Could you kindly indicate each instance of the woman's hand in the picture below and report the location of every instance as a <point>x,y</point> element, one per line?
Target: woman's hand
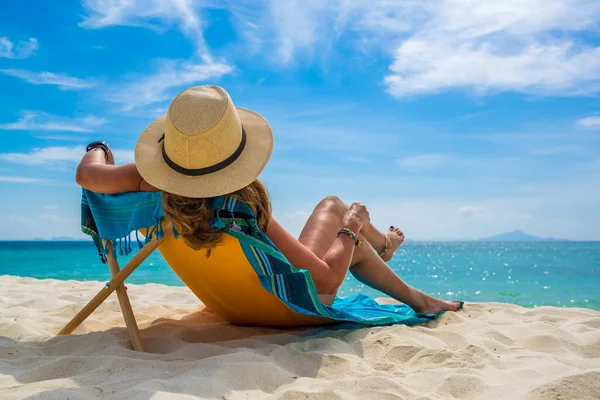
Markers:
<point>356,217</point>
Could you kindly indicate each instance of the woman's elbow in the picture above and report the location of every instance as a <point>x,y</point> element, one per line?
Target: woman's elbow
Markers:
<point>82,176</point>
<point>79,175</point>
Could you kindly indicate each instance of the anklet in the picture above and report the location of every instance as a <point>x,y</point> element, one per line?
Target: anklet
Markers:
<point>384,246</point>
<point>346,231</point>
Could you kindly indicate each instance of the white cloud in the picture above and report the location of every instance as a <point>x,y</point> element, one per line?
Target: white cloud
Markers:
<point>519,216</point>
<point>20,179</point>
<point>64,82</point>
<point>472,211</point>
<point>67,225</point>
<point>286,28</point>
<point>293,221</point>
<point>497,45</point>
<point>576,150</point>
<point>155,87</point>
<point>146,89</point>
<point>296,25</point>
<point>424,162</point>
<point>154,14</point>
<point>424,66</point>
<point>341,141</point>
<point>547,212</point>
<point>23,50</point>
<point>41,121</point>
<point>514,45</point>
<point>53,218</point>
<point>46,155</point>
<point>64,138</point>
<point>589,122</point>
<point>123,156</point>
<point>59,155</point>
<point>530,46</point>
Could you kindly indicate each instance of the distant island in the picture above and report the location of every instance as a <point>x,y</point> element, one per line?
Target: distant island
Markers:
<point>519,236</point>
<point>58,239</point>
<point>66,238</point>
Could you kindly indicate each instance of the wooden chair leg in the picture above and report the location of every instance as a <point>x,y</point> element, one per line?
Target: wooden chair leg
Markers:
<point>128,316</point>
<point>103,294</point>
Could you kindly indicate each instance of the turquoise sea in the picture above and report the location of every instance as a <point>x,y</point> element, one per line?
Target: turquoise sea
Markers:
<point>564,274</point>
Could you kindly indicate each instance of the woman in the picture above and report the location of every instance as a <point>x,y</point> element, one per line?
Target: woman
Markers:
<point>205,147</point>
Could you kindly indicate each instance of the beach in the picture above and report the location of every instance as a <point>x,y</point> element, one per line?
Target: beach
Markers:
<point>486,351</point>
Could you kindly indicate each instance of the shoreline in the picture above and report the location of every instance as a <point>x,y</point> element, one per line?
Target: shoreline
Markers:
<point>489,350</point>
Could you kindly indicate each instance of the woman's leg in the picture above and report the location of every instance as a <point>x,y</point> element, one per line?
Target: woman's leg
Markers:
<point>320,232</point>
<point>321,229</point>
<point>371,270</point>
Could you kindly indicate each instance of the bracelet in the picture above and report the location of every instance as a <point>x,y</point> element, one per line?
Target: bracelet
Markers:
<point>346,231</point>
<point>384,250</point>
<point>98,145</point>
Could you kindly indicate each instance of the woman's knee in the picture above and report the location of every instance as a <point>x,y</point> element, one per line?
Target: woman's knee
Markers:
<point>328,285</point>
<point>332,204</point>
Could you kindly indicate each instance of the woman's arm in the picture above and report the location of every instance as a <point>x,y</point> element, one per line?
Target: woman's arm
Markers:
<point>328,273</point>
<point>98,175</point>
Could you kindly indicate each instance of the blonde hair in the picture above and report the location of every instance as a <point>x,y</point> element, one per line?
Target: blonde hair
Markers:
<point>191,216</point>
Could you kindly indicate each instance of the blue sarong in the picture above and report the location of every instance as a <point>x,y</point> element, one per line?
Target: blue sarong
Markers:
<point>115,217</point>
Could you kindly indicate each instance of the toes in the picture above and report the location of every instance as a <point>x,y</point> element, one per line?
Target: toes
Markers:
<point>395,230</point>
<point>459,304</point>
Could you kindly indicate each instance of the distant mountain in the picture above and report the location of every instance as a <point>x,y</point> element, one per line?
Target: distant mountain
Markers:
<point>64,238</point>
<point>519,236</point>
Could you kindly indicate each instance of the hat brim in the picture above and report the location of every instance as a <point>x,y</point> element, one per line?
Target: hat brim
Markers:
<point>239,174</point>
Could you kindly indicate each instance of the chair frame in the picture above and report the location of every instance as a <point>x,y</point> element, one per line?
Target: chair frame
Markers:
<point>117,284</point>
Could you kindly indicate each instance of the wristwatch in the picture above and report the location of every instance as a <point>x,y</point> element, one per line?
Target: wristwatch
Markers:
<point>98,145</point>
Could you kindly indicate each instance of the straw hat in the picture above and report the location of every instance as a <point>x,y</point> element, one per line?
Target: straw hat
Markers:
<point>204,146</point>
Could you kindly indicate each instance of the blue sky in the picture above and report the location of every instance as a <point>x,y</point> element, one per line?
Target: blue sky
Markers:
<point>451,118</point>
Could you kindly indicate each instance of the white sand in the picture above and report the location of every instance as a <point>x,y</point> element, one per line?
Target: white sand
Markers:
<point>487,351</point>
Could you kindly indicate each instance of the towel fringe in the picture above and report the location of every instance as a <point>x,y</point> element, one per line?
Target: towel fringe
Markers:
<point>149,231</point>
<point>139,242</point>
<point>160,233</point>
<point>103,250</point>
<point>121,247</point>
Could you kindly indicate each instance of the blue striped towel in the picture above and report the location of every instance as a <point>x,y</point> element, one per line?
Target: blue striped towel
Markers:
<point>115,217</point>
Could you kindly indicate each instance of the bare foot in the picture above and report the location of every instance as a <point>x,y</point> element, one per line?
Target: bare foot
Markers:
<point>436,306</point>
<point>394,238</point>
<point>426,304</point>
